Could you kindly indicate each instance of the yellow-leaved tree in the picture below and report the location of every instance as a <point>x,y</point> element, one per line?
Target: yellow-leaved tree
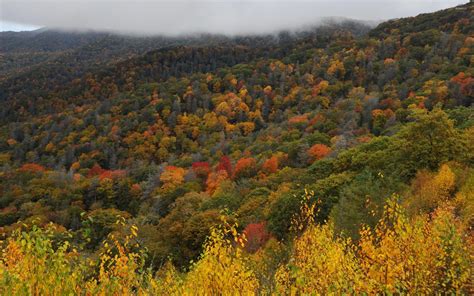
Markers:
<point>431,190</point>
<point>222,268</point>
<point>320,262</point>
<point>29,265</point>
<point>423,255</point>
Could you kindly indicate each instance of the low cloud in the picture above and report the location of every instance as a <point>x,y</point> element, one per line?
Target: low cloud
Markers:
<point>197,16</point>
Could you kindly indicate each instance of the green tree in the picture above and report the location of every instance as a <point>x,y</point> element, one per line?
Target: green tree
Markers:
<point>426,143</point>
<point>361,202</point>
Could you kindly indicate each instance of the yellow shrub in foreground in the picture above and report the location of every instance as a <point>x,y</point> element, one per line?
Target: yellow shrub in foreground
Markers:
<point>30,266</point>
<point>320,264</point>
<point>222,268</point>
<point>424,255</point>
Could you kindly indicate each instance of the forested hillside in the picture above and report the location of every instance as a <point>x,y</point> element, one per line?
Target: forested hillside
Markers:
<point>339,159</point>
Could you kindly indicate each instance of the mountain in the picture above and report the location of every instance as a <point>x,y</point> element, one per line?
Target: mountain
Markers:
<point>330,149</point>
<point>37,71</point>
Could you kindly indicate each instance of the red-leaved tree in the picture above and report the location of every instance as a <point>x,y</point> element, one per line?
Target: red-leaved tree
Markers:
<point>257,236</point>
<point>245,167</point>
<point>225,165</point>
<point>319,151</point>
<point>201,169</point>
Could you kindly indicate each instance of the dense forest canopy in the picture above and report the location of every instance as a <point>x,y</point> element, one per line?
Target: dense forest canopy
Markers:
<point>334,160</point>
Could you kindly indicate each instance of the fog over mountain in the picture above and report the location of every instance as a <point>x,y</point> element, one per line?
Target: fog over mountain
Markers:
<point>191,16</point>
<point>260,147</point>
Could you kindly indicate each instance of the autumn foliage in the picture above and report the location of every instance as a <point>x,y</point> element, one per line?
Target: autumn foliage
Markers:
<point>401,255</point>
<point>336,161</point>
<point>172,177</point>
<point>423,254</point>
<point>201,169</point>
<point>98,171</point>
<point>319,151</point>
<point>224,165</point>
<point>256,235</point>
<point>32,167</point>
<point>270,165</point>
<point>245,167</point>
<point>214,179</point>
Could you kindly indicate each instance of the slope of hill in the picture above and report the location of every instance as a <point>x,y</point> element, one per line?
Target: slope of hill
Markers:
<point>334,149</point>
<point>114,54</point>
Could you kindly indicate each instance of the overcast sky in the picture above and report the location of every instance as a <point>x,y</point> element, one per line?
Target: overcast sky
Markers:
<point>189,16</point>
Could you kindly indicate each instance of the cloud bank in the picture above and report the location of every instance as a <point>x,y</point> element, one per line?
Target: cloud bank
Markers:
<point>168,17</point>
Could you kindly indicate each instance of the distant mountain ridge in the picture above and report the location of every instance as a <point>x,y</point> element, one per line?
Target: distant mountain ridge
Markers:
<point>304,138</point>
<point>26,55</point>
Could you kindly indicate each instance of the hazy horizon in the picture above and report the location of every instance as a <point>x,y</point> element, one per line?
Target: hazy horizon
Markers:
<point>196,16</point>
